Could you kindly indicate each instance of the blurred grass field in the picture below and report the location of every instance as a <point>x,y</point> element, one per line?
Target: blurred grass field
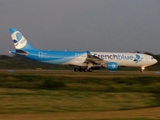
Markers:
<point>46,92</point>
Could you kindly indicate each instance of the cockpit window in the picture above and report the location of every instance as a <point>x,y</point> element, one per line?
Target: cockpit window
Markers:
<point>152,58</point>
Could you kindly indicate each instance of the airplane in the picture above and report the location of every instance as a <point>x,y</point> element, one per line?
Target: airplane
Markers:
<point>83,61</point>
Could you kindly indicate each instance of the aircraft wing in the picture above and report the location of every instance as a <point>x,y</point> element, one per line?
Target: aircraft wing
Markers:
<point>94,59</point>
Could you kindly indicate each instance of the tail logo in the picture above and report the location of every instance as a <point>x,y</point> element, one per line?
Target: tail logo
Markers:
<point>18,40</point>
<point>15,42</point>
<point>19,36</point>
<point>138,58</point>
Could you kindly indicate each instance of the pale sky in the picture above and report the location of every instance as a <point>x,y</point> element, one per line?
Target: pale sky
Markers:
<point>81,25</point>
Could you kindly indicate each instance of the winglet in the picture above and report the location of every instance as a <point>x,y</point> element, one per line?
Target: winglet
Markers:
<point>88,53</point>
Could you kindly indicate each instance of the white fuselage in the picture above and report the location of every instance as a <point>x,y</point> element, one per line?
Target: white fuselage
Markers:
<point>122,59</point>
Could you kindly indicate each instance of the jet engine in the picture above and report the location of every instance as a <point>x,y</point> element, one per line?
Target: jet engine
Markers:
<point>112,66</point>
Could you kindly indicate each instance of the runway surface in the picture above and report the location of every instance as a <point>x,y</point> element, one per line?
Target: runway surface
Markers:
<point>146,113</point>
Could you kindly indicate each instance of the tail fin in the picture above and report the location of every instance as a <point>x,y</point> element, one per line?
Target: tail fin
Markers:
<point>19,41</point>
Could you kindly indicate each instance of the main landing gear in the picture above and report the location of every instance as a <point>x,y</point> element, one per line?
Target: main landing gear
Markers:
<point>83,70</point>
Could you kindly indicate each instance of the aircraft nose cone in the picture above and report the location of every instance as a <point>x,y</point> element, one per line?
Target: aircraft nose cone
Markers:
<point>156,61</point>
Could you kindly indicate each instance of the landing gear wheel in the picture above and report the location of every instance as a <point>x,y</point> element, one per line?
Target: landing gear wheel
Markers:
<point>141,70</point>
<point>86,70</point>
<point>90,70</point>
<point>80,70</point>
<point>83,70</point>
<point>76,70</point>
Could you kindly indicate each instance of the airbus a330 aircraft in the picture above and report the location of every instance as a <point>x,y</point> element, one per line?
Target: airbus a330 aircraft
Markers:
<point>82,60</point>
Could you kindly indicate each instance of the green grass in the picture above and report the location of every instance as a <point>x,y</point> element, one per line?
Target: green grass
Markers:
<point>52,91</point>
<point>79,82</point>
<point>44,101</point>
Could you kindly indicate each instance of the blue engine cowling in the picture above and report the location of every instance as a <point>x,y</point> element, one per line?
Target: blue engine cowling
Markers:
<point>112,66</point>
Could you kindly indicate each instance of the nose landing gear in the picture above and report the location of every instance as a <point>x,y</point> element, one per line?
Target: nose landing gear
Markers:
<point>142,69</point>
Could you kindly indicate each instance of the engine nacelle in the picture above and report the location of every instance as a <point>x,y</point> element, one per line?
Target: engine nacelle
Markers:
<point>112,66</point>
